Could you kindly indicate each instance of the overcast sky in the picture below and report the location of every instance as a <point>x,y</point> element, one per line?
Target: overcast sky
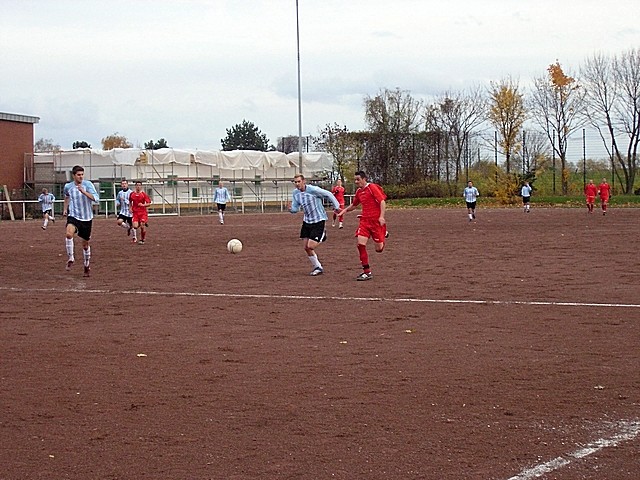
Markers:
<point>188,70</point>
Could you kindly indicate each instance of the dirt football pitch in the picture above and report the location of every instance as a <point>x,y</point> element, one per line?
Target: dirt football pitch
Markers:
<point>503,349</point>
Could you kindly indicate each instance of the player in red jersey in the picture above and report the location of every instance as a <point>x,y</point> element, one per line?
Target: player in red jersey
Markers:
<point>372,222</point>
<point>590,192</point>
<point>604,190</point>
<point>139,201</point>
<point>338,192</point>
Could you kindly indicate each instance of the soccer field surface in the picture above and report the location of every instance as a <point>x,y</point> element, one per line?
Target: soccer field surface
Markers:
<point>505,348</point>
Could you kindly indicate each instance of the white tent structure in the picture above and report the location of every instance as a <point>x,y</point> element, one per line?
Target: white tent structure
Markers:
<point>177,179</point>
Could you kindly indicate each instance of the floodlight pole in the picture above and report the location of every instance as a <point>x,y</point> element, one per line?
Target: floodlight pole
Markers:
<point>299,97</point>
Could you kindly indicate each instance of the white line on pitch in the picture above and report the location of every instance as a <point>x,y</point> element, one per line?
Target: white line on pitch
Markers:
<point>627,431</point>
<point>320,297</point>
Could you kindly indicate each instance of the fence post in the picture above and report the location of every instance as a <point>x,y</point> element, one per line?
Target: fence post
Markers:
<point>6,194</point>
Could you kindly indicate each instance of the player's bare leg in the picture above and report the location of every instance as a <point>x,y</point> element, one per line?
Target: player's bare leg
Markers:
<point>136,225</point>
<point>310,249</point>
<point>69,234</point>
<point>86,257</point>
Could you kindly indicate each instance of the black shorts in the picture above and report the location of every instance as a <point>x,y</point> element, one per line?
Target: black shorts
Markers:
<point>471,205</point>
<point>127,220</point>
<point>313,231</point>
<point>46,212</point>
<point>82,227</point>
<point>525,200</point>
<point>221,206</point>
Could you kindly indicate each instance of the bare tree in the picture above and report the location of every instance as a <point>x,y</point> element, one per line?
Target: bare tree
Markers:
<point>557,102</point>
<point>536,151</point>
<point>507,113</point>
<point>612,87</point>
<point>613,107</point>
<point>346,150</point>
<point>455,116</point>
<point>627,76</point>
<point>392,117</point>
<point>46,145</point>
<point>601,98</point>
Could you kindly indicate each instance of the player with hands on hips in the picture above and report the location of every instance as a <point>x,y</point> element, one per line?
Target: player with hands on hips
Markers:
<point>604,190</point>
<point>590,192</point>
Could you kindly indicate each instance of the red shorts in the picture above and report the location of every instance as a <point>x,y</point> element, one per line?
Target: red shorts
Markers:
<point>371,228</point>
<point>140,217</point>
<point>591,199</point>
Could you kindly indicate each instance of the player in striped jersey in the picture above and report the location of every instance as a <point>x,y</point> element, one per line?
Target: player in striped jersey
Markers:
<point>79,197</point>
<point>309,198</point>
<point>125,216</point>
<point>46,200</point>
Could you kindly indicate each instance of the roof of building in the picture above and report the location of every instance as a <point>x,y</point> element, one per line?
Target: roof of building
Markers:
<point>13,117</point>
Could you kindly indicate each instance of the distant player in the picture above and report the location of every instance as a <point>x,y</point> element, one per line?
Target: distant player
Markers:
<point>471,195</point>
<point>221,197</point>
<point>125,217</point>
<point>526,196</point>
<point>79,197</point>
<point>604,190</point>
<point>309,198</point>
<point>372,221</point>
<point>338,192</point>
<point>590,192</point>
<point>46,200</point>
<point>139,201</point>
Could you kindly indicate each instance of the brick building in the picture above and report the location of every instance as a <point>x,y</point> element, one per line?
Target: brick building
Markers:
<point>16,140</point>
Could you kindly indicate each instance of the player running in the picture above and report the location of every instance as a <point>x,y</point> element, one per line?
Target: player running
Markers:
<point>46,200</point>
<point>372,222</point>
<point>79,197</point>
<point>309,198</point>
<point>139,201</point>
<point>125,217</point>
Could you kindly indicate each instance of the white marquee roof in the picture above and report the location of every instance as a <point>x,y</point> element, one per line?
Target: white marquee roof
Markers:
<point>231,160</point>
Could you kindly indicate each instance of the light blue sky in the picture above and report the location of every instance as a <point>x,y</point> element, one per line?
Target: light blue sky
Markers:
<point>188,70</point>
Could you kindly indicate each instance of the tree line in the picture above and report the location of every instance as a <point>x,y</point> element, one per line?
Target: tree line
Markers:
<point>408,140</point>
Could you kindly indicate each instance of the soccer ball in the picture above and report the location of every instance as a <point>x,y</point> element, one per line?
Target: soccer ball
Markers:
<point>234,245</point>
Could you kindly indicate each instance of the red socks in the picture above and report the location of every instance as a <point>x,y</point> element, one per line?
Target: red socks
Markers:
<point>364,258</point>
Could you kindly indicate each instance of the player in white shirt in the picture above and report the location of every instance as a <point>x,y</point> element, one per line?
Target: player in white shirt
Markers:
<point>220,197</point>
<point>46,200</point>
<point>526,196</point>
<point>471,195</point>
